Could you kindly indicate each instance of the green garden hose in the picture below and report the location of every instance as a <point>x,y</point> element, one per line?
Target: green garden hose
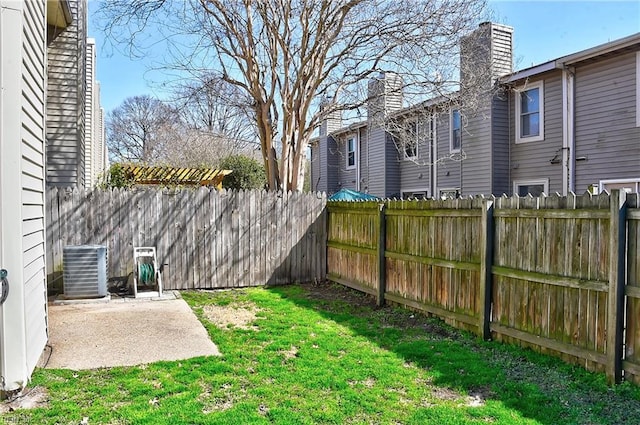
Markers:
<point>146,274</point>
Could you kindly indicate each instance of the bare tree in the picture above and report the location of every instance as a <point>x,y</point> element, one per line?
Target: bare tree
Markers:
<point>140,129</point>
<point>199,148</point>
<point>216,112</point>
<point>288,55</point>
<point>478,68</point>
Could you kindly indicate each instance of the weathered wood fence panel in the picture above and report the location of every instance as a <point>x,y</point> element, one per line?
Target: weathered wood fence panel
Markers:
<point>206,238</point>
<point>433,258</point>
<point>353,234</point>
<point>550,277</point>
<point>558,274</point>
<point>631,363</point>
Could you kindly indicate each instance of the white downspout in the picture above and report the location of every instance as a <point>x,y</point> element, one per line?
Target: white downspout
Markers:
<point>358,161</point>
<point>434,159</point>
<point>572,135</point>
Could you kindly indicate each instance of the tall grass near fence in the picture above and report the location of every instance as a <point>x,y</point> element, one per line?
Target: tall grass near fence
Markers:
<point>557,274</point>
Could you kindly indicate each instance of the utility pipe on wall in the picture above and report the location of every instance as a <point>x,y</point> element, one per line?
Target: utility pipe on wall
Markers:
<point>568,131</point>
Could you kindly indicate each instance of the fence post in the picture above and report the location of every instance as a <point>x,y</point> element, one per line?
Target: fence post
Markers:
<point>617,273</point>
<point>486,262</point>
<point>382,244</point>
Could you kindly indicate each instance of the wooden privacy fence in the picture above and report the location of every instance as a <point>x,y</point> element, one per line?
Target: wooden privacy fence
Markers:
<point>558,274</point>
<point>206,238</point>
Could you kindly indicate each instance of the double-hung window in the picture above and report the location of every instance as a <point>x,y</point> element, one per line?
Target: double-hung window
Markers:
<point>455,140</point>
<point>351,152</point>
<point>530,113</point>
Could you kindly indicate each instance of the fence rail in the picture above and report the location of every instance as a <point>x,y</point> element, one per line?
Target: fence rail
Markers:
<point>557,274</point>
<point>207,238</point>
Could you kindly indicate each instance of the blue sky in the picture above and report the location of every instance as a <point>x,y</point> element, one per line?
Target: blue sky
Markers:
<point>543,30</point>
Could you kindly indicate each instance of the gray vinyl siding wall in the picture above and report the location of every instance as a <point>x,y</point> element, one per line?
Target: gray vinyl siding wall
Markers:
<point>324,165</point>
<point>346,177</point>
<point>377,161</point>
<point>317,178</point>
<point>531,160</point>
<point>415,173</point>
<point>500,144</point>
<point>66,102</point>
<point>384,94</point>
<point>448,170</point>
<point>32,179</point>
<point>605,123</point>
<point>333,158</point>
<point>365,174</point>
<point>392,169</point>
<point>476,144</point>
<point>502,63</point>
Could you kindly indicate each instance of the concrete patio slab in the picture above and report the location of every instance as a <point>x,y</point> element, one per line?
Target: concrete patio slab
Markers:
<point>124,332</point>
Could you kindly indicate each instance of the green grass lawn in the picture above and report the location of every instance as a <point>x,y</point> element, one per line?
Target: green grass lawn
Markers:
<point>324,354</point>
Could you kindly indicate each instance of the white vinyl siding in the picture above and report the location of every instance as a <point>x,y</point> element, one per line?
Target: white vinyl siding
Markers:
<point>32,180</point>
<point>23,316</point>
<point>530,113</point>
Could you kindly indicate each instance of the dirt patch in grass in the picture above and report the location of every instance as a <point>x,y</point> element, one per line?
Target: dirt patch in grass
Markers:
<point>290,353</point>
<point>557,383</point>
<point>230,316</point>
<point>29,398</point>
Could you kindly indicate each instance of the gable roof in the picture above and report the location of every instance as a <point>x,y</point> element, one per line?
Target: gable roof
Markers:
<point>625,44</point>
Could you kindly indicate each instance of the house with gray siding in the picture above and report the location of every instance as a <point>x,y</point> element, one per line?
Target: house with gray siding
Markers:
<point>95,157</point>
<point>584,119</point>
<point>66,98</point>
<point>446,151</point>
<point>567,125</point>
<point>25,29</point>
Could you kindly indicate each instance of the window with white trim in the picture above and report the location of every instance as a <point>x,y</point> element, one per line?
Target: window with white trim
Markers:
<point>625,185</point>
<point>530,113</point>
<point>455,138</point>
<point>351,152</point>
<point>531,187</point>
<point>450,193</point>
<point>415,194</point>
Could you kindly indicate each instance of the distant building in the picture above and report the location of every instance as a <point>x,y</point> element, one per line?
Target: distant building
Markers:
<point>95,148</point>
<point>66,99</point>
<point>568,125</point>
